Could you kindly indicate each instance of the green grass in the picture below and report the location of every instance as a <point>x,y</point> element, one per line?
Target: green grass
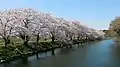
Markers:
<point>16,46</point>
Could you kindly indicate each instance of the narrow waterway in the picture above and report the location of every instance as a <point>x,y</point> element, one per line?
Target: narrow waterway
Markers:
<point>98,54</point>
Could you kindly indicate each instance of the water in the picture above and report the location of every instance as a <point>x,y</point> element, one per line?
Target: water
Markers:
<point>98,54</point>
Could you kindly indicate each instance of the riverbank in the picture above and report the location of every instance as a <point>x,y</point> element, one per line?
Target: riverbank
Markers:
<point>92,54</point>
<point>27,54</point>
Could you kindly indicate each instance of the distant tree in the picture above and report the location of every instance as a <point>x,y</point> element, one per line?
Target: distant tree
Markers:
<point>115,25</point>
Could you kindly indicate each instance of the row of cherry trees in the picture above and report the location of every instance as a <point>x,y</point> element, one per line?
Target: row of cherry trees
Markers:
<point>27,23</point>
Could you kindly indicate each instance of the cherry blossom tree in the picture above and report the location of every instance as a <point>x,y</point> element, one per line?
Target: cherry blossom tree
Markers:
<point>23,24</point>
<point>5,27</point>
<point>27,23</point>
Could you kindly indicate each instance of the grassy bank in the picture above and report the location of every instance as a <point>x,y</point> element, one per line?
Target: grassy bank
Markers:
<point>16,50</point>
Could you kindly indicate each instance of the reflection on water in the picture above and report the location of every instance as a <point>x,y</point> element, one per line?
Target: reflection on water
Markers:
<point>98,54</point>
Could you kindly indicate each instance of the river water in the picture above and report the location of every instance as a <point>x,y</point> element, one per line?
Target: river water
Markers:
<point>98,54</point>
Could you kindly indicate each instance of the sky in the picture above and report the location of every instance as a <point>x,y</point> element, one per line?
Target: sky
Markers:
<point>93,13</point>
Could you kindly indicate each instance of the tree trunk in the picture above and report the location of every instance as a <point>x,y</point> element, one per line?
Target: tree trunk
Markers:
<point>37,55</point>
<point>24,58</point>
<point>71,38</point>
<point>6,41</point>
<point>53,38</point>
<point>37,41</point>
<point>53,51</point>
<point>78,38</point>
<point>25,43</point>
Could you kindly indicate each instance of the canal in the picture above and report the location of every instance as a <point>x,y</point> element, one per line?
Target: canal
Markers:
<point>98,54</point>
